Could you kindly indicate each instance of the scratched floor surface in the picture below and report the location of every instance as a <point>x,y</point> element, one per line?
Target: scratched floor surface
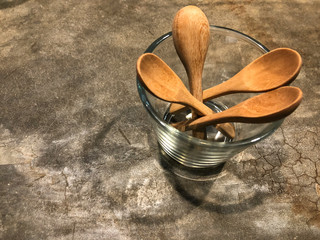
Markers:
<point>78,159</point>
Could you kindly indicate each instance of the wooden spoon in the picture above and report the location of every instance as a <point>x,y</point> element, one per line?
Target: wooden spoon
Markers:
<point>191,33</point>
<point>272,70</point>
<point>266,107</point>
<point>162,81</point>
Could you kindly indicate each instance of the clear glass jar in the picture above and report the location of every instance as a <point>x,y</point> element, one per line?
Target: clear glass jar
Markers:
<point>229,51</point>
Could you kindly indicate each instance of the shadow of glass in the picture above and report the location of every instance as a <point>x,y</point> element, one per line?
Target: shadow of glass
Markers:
<point>9,4</point>
<point>209,188</point>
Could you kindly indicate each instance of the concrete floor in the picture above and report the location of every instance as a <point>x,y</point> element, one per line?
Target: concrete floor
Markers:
<point>77,156</point>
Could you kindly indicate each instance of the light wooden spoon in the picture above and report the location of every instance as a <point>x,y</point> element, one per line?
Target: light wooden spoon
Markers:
<point>274,69</point>
<point>263,108</point>
<point>160,80</point>
<point>190,34</point>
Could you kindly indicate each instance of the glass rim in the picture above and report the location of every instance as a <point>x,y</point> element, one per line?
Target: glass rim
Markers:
<point>151,111</point>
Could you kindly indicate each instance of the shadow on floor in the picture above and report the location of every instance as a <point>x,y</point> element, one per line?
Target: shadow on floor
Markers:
<point>9,4</point>
<point>194,185</point>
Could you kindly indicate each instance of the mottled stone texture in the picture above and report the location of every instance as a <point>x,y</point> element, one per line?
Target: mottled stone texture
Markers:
<point>78,159</point>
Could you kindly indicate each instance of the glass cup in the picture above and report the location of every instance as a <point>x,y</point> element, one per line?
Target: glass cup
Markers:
<point>229,51</point>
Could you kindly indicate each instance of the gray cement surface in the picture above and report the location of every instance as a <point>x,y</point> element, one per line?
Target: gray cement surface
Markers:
<point>78,159</point>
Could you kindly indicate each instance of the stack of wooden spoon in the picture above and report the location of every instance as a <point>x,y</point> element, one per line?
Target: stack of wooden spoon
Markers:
<point>269,73</point>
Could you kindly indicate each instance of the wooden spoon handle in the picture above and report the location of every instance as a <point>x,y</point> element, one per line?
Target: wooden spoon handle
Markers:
<point>210,93</point>
<point>227,129</point>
